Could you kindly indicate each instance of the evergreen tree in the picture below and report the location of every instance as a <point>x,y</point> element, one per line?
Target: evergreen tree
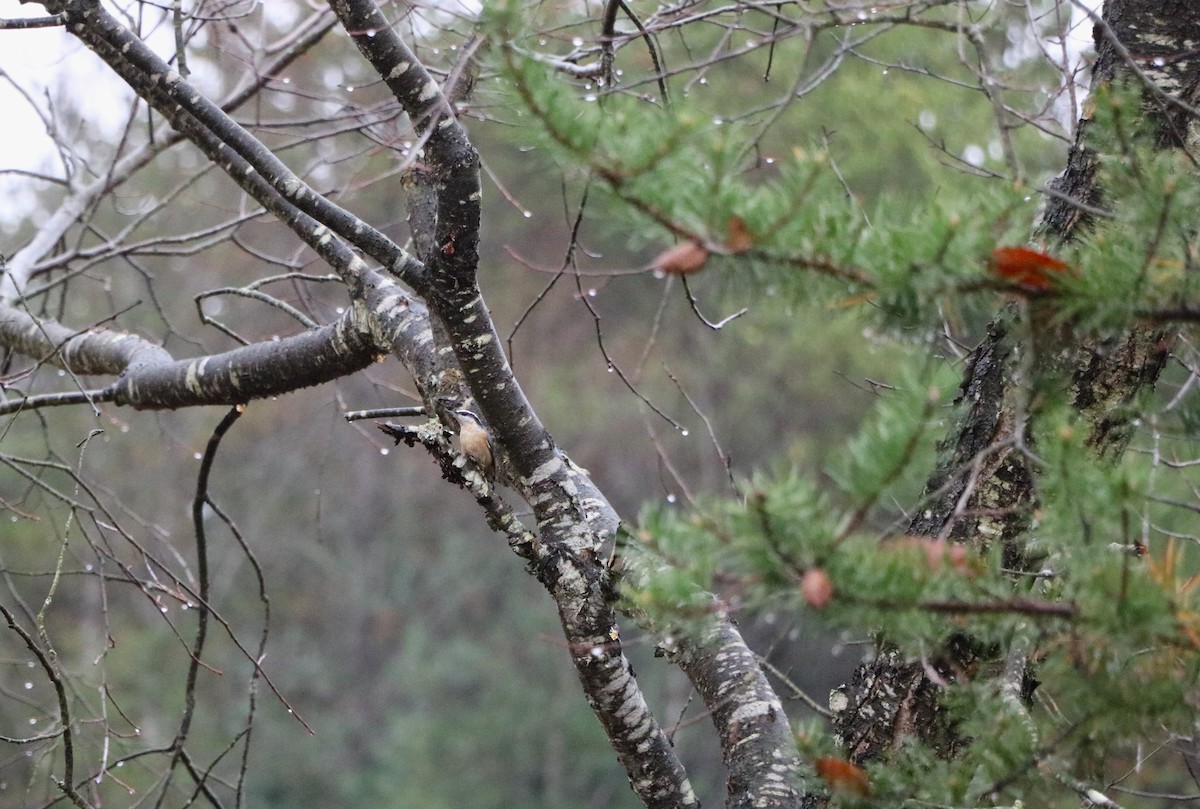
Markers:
<point>1009,527</point>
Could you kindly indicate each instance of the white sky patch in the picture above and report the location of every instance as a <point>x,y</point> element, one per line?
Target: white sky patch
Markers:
<point>1059,31</point>
<point>67,89</point>
<point>65,84</point>
<point>1079,38</point>
<point>1080,47</point>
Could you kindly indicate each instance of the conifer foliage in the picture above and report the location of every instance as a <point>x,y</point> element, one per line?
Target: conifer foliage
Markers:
<point>1008,536</point>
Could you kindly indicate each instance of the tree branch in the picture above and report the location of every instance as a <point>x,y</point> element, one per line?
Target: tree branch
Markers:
<point>168,92</point>
<point>573,517</point>
<point>151,379</point>
<point>49,235</point>
<point>756,738</point>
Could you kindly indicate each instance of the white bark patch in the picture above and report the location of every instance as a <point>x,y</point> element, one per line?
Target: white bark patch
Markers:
<point>568,577</point>
<point>643,729</point>
<point>399,70</point>
<point>547,470</point>
<point>476,196</point>
<point>430,90</point>
<point>445,122</point>
<point>629,708</point>
<point>751,710</point>
<point>172,77</point>
<point>689,794</point>
<point>748,739</point>
<point>618,683</point>
<point>194,372</point>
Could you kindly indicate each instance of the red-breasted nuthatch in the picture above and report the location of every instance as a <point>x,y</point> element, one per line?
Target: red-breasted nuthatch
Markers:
<point>476,442</point>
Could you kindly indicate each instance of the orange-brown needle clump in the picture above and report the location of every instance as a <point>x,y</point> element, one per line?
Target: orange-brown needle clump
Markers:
<point>740,239</point>
<point>842,776</point>
<point>682,259</point>
<point>816,588</point>
<point>1026,267</point>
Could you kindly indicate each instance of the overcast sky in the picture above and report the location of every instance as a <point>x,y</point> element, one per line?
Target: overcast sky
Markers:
<point>46,62</point>
<point>43,62</point>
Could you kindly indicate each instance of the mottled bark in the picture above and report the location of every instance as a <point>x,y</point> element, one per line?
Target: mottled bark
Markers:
<point>981,486</point>
<point>251,372</point>
<point>756,740</point>
<point>150,379</point>
<point>1149,44</point>
<point>888,699</point>
<point>87,353</point>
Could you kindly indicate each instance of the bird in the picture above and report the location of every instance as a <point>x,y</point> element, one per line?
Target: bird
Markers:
<point>476,442</point>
